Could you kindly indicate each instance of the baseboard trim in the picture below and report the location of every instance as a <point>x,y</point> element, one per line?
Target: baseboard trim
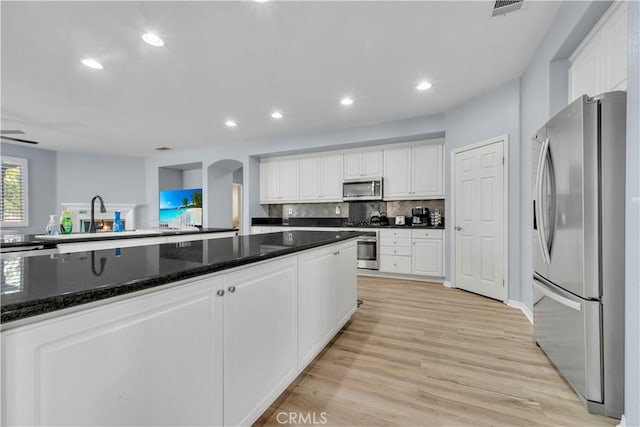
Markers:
<point>523,308</point>
<point>375,273</point>
<point>623,422</point>
<point>448,284</point>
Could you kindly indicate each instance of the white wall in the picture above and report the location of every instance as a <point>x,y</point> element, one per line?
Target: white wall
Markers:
<point>42,186</point>
<point>491,114</point>
<point>632,276</point>
<point>118,179</point>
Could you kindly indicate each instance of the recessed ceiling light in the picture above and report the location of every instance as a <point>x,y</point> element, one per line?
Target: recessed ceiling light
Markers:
<point>423,85</point>
<point>153,39</point>
<point>163,148</point>
<point>92,63</point>
<point>276,115</point>
<point>230,123</point>
<point>261,1</point>
<point>346,101</point>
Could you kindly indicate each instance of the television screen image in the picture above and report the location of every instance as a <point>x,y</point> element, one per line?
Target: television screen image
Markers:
<point>181,207</point>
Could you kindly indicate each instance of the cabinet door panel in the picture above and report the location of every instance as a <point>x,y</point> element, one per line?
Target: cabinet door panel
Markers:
<point>427,170</point>
<point>346,283</point>
<point>331,178</point>
<point>427,257</point>
<point>317,301</point>
<point>269,181</point>
<point>310,178</point>
<point>120,364</point>
<point>260,338</point>
<point>397,172</point>
<point>352,165</point>
<point>288,180</point>
<point>371,164</point>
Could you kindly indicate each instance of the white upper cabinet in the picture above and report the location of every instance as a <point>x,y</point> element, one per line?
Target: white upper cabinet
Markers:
<point>599,64</point>
<point>321,178</point>
<point>279,181</point>
<point>363,164</point>
<point>413,171</point>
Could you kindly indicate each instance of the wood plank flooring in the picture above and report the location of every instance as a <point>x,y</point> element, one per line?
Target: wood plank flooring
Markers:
<point>421,354</point>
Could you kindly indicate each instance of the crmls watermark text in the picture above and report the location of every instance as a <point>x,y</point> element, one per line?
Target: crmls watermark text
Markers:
<point>301,418</point>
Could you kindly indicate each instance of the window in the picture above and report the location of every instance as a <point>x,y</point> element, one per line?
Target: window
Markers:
<point>14,200</point>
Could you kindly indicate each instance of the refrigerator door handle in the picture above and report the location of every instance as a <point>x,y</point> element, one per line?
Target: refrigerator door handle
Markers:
<point>549,292</point>
<point>542,161</point>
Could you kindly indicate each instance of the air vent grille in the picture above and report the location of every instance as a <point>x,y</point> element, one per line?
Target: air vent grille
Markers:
<point>502,7</point>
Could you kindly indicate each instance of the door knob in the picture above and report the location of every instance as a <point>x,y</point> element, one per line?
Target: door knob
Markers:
<point>457,227</point>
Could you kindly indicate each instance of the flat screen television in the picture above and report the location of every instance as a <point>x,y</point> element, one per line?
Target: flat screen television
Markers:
<point>181,207</point>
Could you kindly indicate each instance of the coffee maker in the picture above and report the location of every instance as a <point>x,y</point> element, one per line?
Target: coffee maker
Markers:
<point>420,216</point>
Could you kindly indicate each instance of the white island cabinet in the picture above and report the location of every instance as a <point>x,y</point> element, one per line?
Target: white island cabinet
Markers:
<point>215,350</point>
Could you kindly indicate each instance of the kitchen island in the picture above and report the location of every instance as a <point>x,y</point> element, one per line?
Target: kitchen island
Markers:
<point>200,332</point>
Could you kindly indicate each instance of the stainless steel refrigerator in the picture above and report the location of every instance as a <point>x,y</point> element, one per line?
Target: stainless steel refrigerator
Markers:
<point>578,247</point>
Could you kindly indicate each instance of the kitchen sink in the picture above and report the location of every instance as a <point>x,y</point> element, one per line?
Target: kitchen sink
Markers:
<point>101,235</point>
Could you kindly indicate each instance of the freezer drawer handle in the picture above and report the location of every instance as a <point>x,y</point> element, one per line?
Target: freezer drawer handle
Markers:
<point>557,297</point>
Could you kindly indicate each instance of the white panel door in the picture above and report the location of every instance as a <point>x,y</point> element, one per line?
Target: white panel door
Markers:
<point>260,338</point>
<point>397,172</point>
<point>310,176</point>
<point>288,180</point>
<point>331,177</point>
<point>426,169</point>
<point>120,364</point>
<point>478,228</point>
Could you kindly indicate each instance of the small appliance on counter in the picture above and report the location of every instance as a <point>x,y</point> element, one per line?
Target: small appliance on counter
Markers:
<point>436,217</point>
<point>420,216</point>
<point>400,220</point>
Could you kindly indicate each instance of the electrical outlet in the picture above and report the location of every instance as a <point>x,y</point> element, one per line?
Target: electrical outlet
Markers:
<point>338,210</point>
<point>290,211</point>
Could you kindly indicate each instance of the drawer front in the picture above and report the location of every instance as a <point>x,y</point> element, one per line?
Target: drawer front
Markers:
<point>427,234</point>
<point>393,232</point>
<point>395,250</point>
<point>395,264</point>
<point>395,241</point>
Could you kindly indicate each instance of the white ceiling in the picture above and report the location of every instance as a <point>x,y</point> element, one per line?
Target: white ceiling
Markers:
<point>242,60</point>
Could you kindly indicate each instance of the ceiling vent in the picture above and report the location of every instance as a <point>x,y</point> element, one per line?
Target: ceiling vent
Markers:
<point>503,7</point>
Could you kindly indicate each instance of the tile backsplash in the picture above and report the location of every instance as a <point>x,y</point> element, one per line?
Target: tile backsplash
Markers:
<point>355,211</point>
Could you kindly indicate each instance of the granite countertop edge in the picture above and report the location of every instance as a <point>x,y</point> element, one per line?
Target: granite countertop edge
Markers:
<point>19,311</point>
<point>51,243</point>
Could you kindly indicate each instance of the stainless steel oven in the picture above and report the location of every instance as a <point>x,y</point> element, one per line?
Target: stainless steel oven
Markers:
<point>368,250</point>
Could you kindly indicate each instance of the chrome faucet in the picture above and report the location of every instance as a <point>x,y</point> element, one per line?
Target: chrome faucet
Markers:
<point>93,227</point>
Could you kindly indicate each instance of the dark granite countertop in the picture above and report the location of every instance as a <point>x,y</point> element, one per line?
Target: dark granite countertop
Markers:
<point>329,222</point>
<point>33,285</point>
<point>20,240</point>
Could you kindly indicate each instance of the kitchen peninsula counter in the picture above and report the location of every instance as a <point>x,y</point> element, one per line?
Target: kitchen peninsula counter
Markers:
<point>47,283</point>
<point>23,241</point>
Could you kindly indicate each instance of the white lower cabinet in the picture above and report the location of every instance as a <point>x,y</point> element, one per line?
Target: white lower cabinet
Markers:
<point>327,296</point>
<point>412,251</point>
<point>260,338</point>
<point>155,359</point>
<point>216,351</point>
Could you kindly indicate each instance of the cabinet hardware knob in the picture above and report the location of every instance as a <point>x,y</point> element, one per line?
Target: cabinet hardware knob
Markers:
<point>232,289</point>
<point>457,227</point>
<point>337,253</point>
<point>220,292</point>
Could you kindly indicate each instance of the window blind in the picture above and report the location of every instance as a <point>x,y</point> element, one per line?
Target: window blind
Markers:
<point>14,200</point>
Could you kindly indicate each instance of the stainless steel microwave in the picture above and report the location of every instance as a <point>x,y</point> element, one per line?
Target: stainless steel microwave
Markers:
<point>362,189</point>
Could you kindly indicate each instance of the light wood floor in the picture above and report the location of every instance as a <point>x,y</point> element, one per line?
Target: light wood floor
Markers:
<point>420,354</point>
